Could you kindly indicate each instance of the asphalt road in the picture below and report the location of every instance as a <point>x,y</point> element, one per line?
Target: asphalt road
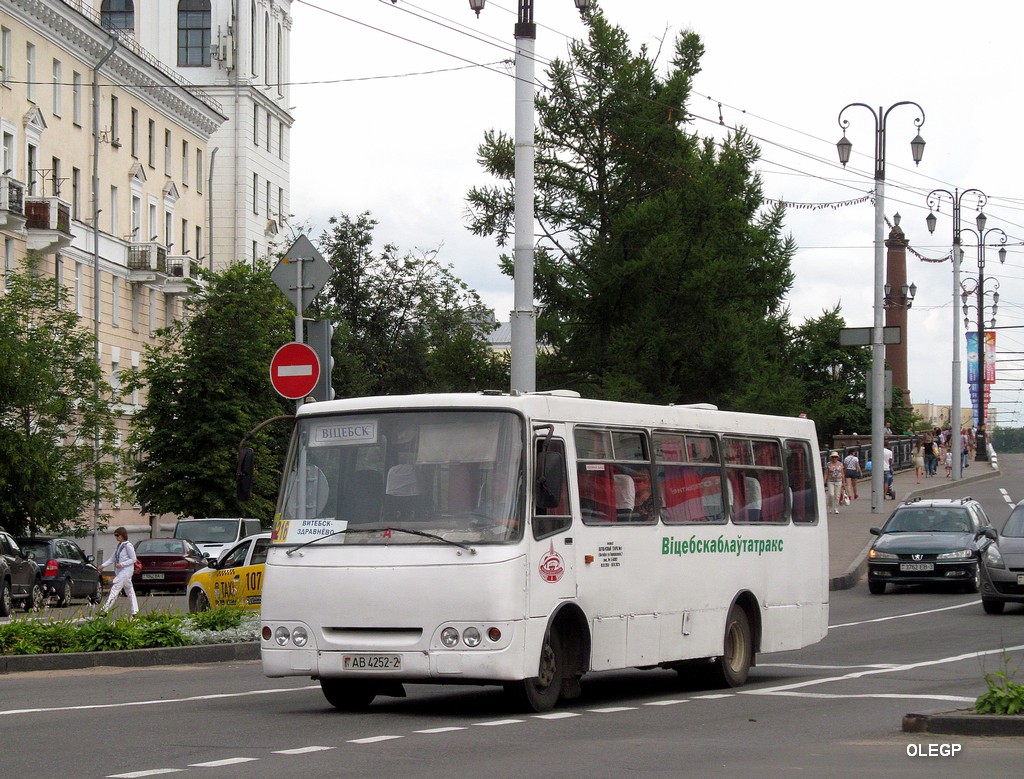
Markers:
<point>833,709</point>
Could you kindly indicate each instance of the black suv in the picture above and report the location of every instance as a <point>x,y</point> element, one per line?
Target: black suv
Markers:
<point>67,571</point>
<point>929,541</point>
<point>20,579</point>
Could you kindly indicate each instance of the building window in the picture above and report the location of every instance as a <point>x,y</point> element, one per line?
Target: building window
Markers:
<point>280,141</point>
<point>76,193</point>
<point>193,33</point>
<point>5,55</point>
<point>280,205</point>
<point>30,72</point>
<point>266,48</point>
<point>117,15</point>
<point>280,61</point>
<point>55,177</point>
<point>76,98</point>
<point>255,193</point>
<point>252,39</point>
<point>115,136</point>
<point>184,237</point>
<point>269,127</point>
<point>56,87</point>
<point>152,311</point>
<point>184,163</point>
<point>115,301</point>
<point>198,251</point>
<point>151,156</point>
<point>135,133</point>
<point>79,281</point>
<point>199,171</point>
<point>269,190</point>
<point>167,152</point>
<point>113,210</point>
<point>256,126</point>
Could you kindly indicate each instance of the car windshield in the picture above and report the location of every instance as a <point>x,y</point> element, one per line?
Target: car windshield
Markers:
<point>160,546</point>
<point>208,531</point>
<point>1014,527</point>
<point>439,476</point>
<point>929,520</point>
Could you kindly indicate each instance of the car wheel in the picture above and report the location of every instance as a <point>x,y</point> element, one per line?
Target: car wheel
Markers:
<point>975,583</point>
<point>353,695</point>
<point>35,599</point>
<point>876,588</point>
<point>992,606</point>
<point>65,595</point>
<point>6,602</point>
<point>541,692</point>
<point>732,668</point>
<point>198,601</point>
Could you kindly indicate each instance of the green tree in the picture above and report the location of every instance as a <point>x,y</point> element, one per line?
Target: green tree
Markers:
<point>660,270</point>
<point>54,407</point>
<point>403,323</point>
<point>832,377</point>
<point>208,385</point>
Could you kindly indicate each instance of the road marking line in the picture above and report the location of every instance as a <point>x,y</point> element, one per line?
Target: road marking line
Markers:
<point>903,616</point>
<point>150,772</point>
<point>824,667</point>
<point>225,761</point>
<point>301,750</point>
<point>439,730</point>
<point>664,703</point>
<point>898,696</point>
<point>373,739</point>
<point>497,722</point>
<point>612,709</point>
<point>714,696</point>
<point>557,715</point>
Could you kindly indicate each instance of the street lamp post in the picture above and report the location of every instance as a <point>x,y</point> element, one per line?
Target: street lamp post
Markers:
<point>934,201</point>
<point>844,147</point>
<point>981,443</point>
<point>524,315</point>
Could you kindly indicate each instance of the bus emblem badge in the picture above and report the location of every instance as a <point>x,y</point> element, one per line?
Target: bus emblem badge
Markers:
<point>552,567</point>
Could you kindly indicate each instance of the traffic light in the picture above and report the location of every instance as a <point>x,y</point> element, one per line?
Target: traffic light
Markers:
<point>319,333</point>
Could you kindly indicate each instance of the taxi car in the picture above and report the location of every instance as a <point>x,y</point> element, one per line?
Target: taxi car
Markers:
<point>929,541</point>
<point>236,579</point>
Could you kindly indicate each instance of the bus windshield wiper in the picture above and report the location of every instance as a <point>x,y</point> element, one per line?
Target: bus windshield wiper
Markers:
<point>387,534</point>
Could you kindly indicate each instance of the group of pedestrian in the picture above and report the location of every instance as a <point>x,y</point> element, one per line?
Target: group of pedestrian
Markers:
<point>935,448</point>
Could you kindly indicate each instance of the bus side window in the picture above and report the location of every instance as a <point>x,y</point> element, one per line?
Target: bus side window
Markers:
<point>548,520</point>
<point>801,482</point>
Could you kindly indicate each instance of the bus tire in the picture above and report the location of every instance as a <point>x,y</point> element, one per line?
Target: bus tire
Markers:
<point>541,692</point>
<point>732,668</point>
<point>351,695</point>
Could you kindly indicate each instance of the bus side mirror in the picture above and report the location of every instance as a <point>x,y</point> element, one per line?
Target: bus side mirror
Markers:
<point>243,474</point>
<point>550,480</point>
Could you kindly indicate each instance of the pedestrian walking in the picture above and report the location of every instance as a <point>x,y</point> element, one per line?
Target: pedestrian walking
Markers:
<point>123,559</point>
<point>919,460</point>
<point>852,472</point>
<point>833,481</point>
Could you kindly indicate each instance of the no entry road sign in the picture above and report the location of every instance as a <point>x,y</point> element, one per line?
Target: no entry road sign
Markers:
<point>294,371</point>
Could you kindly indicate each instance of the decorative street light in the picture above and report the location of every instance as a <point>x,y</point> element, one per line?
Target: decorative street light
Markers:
<point>934,201</point>
<point>524,315</point>
<point>844,146</point>
<point>981,446</point>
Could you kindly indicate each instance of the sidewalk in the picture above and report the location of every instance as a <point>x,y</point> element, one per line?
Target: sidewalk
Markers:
<point>849,535</point>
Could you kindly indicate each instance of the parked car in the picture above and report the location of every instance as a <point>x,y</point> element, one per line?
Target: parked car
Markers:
<point>1002,564</point>
<point>927,541</point>
<point>167,564</point>
<point>216,535</point>
<point>67,571</point>
<point>20,580</point>
<point>236,579</point>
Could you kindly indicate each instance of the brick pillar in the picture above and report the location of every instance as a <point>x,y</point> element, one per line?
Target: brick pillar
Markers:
<point>896,315</point>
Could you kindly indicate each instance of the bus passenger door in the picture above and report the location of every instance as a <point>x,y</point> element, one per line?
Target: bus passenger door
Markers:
<point>552,572</point>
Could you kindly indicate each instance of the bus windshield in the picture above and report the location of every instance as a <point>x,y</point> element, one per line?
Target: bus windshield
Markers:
<point>425,477</point>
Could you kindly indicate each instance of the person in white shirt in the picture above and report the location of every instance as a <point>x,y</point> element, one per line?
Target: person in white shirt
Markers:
<point>887,471</point>
<point>123,560</point>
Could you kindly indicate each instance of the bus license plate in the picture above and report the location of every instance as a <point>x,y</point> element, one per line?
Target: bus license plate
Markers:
<point>152,576</point>
<point>917,567</point>
<point>372,662</point>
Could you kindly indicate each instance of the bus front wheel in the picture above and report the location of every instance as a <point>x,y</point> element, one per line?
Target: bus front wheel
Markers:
<point>352,695</point>
<point>732,668</point>
<point>541,692</point>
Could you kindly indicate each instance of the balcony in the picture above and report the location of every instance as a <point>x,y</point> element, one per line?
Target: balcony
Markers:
<point>48,222</point>
<point>182,275</point>
<point>147,263</point>
<point>12,203</point>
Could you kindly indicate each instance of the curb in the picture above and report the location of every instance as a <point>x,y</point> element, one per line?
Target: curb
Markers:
<point>964,723</point>
<point>848,580</point>
<point>132,658</point>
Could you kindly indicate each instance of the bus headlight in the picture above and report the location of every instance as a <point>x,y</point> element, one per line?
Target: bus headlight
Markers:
<point>450,637</point>
<point>299,637</point>
<point>471,636</point>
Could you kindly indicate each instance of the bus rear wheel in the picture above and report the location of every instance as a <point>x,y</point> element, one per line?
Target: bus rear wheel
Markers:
<point>541,692</point>
<point>351,695</point>
<point>733,667</point>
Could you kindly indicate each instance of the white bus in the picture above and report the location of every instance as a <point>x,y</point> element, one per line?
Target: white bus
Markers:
<point>528,539</point>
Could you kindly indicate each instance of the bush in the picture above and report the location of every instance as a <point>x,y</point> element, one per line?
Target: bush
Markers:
<point>101,634</point>
<point>1003,696</point>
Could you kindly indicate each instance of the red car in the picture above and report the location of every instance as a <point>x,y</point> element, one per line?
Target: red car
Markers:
<point>167,564</point>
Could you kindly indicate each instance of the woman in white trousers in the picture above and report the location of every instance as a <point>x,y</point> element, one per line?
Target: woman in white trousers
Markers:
<point>123,560</point>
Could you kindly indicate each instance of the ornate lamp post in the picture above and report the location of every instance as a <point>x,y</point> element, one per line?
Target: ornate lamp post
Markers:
<point>524,315</point>
<point>934,201</point>
<point>844,146</point>
<point>981,449</point>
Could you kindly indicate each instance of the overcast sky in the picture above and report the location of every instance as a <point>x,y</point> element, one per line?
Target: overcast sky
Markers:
<point>392,100</point>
